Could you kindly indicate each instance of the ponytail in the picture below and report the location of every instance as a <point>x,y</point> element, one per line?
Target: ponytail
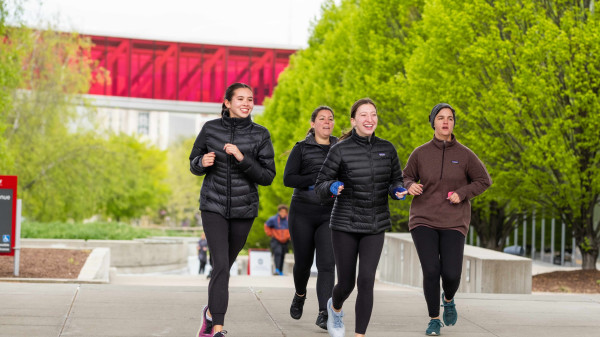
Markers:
<point>224,109</point>
<point>311,131</point>
<point>345,135</point>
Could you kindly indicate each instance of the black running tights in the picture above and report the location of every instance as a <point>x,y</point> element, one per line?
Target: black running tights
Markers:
<point>225,237</point>
<point>309,229</point>
<point>441,254</point>
<point>348,248</point>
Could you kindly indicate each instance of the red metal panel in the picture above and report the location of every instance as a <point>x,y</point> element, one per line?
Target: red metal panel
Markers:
<point>142,57</point>
<point>183,71</point>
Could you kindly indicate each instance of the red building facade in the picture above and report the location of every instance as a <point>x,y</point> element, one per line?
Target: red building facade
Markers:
<point>184,71</point>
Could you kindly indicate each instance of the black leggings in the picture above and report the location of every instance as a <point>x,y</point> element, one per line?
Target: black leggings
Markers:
<point>348,247</point>
<point>441,254</point>
<point>225,237</point>
<point>309,229</point>
<point>279,249</point>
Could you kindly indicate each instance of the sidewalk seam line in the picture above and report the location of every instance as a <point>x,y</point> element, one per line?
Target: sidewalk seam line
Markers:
<point>267,311</point>
<point>479,326</point>
<point>69,312</point>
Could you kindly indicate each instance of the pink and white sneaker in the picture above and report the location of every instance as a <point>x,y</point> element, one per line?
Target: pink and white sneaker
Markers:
<point>207,326</point>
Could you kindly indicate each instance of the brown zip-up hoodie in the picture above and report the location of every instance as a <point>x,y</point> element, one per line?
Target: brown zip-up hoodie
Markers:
<point>444,166</point>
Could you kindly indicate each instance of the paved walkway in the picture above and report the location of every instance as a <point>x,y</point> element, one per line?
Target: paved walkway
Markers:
<point>170,305</point>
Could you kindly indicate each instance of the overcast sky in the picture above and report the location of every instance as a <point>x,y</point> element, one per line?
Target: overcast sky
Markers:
<point>269,23</point>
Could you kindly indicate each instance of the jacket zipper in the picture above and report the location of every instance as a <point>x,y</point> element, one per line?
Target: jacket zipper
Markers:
<point>443,153</point>
<point>370,148</point>
<point>229,172</point>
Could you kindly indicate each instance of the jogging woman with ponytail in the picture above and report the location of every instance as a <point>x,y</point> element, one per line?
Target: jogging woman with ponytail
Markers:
<point>236,155</point>
<point>309,216</point>
<point>360,171</point>
<point>443,175</point>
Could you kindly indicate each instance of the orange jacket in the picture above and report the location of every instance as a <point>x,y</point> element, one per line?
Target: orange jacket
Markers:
<point>277,228</point>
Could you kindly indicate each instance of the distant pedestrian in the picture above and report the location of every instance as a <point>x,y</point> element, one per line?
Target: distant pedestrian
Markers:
<point>235,155</point>
<point>277,228</point>
<point>202,253</point>
<point>309,215</point>
<point>443,175</point>
<point>360,171</point>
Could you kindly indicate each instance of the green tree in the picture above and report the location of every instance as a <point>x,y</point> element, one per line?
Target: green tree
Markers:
<point>523,75</point>
<point>41,144</point>
<point>9,81</point>
<point>311,79</point>
<point>357,49</point>
<point>135,181</point>
<point>67,167</point>
<point>185,187</point>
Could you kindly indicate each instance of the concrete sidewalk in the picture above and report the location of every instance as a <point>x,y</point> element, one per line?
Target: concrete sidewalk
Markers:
<point>170,305</point>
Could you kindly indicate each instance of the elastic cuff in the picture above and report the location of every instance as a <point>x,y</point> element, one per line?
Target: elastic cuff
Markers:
<point>218,319</point>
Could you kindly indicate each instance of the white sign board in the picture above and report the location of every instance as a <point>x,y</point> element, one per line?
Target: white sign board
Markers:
<point>259,263</point>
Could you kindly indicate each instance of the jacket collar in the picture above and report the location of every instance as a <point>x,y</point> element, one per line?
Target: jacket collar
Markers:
<point>236,123</point>
<point>310,139</point>
<point>440,143</point>
<point>363,140</point>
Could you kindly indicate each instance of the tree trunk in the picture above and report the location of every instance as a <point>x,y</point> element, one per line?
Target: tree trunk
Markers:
<point>589,259</point>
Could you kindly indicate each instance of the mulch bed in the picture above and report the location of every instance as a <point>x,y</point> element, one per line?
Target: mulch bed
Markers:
<point>576,281</point>
<point>45,263</point>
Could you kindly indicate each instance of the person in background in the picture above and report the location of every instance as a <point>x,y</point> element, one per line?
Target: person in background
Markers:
<point>235,155</point>
<point>443,175</point>
<point>309,215</point>
<point>360,171</point>
<point>202,253</point>
<point>277,228</point>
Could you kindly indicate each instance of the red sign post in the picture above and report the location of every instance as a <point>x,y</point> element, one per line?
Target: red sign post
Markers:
<point>8,214</point>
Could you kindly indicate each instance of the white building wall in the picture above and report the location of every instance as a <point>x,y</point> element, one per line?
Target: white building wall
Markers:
<point>161,122</point>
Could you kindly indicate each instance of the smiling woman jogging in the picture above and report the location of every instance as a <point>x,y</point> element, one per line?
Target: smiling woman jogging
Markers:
<point>309,216</point>
<point>443,175</point>
<point>236,155</point>
<point>360,171</point>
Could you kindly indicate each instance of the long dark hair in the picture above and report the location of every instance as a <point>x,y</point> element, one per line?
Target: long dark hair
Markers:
<point>355,107</point>
<point>313,117</point>
<point>229,94</point>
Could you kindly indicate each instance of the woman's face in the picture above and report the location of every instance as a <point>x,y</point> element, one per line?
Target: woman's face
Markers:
<point>241,104</point>
<point>444,124</point>
<point>365,120</point>
<point>323,124</point>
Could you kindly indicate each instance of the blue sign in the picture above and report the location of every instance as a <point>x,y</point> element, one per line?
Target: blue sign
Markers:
<point>5,238</point>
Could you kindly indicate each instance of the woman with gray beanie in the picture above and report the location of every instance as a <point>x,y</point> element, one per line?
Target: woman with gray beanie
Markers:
<point>442,175</point>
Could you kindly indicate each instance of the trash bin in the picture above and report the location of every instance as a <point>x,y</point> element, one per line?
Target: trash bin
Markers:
<point>514,250</point>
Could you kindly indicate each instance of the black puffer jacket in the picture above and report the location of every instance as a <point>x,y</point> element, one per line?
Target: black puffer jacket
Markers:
<point>230,187</point>
<point>370,170</point>
<point>302,168</point>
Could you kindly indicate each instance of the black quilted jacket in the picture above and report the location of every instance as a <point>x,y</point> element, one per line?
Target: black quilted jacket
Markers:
<point>302,168</point>
<point>370,171</point>
<point>230,187</point>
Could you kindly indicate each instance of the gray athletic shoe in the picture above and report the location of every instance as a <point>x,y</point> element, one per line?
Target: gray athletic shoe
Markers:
<point>335,321</point>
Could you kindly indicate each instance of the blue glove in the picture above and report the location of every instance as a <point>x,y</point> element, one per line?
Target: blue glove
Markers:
<point>335,186</point>
<point>399,189</point>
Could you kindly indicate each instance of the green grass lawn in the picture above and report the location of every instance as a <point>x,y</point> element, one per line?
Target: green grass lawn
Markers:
<point>94,231</point>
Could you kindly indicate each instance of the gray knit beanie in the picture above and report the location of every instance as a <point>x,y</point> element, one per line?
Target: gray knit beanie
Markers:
<point>437,108</point>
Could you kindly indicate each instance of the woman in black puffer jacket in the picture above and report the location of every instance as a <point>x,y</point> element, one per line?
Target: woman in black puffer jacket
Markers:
<point>236,155</point>
<point>309,216</point>
<point>361,170</point>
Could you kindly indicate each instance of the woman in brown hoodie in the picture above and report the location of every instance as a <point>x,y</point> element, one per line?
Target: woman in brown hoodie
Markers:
<point>443,175</point>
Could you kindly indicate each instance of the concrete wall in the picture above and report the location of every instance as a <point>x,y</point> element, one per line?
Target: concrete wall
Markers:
<point>132,256</point>
<point>484,270</point>
<point>96,267</point>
